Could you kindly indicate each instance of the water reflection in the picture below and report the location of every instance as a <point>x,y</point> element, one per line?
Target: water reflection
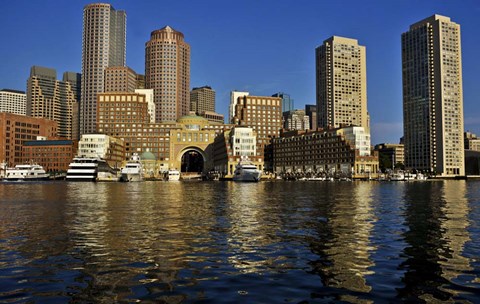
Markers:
<point>437,217</point>
<point>344,245</point>
<point>269,242</point>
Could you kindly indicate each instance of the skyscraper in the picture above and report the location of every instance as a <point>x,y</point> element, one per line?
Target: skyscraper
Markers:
<point>167,72</point>
<point>341,83</point>
<point>287,101</point>
<point>202,99</point>
<point>103,45</point>
<point>120,79</point>
<point>433,96</point>
<point>56,100</point>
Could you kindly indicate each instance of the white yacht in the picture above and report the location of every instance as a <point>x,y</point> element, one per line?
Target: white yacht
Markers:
<point>397,176</point>
<point>26,173</point>
<point>90,169</point>
<point>133,171</point>
<point>173,175</point>
<point>246,171</point>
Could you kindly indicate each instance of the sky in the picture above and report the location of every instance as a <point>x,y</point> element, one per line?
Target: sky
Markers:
<point>259,46</point>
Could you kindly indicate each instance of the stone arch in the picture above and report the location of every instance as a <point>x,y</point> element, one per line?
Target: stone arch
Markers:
<point>192,149</point>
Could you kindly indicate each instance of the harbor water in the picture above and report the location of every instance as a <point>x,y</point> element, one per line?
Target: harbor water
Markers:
<point>226,242</point>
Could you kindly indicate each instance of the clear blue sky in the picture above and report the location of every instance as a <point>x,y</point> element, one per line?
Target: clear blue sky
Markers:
<point>260,46</point>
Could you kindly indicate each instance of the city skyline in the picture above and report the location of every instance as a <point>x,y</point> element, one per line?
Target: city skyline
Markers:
<point>242,49</point>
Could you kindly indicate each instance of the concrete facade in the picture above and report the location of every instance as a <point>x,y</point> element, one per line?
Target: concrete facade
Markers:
<point>103,45</point>
<point>53,99</point>
<point>12,101</point>
<point>120,79</point>
<point>433,97</point>
<point>167,72</point>
<point>202,100</point>
<point>341,84</point>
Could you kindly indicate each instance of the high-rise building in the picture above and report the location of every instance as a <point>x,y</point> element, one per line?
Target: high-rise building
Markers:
<point>13,101</point>
<point>287,101</point>
<point>103,45</point>
<point>53,99</point>
<point>261,113</point>
<point>433,97</point>
<point>120,79</point>
<point>233,102</point>
<point>202,99</point>
<point>311,112</point>
<point>296,120</point>
<point>341,83</point>
<point>167,72</point>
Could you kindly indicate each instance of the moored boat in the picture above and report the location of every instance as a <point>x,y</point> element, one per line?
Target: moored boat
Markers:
<point>173,175</point>
<point>26,172</point>
<point>90,169</point>
<point>246,171</point>
<point>133,171</point>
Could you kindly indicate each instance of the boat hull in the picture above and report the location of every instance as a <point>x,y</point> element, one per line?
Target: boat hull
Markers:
<point>253,176</point>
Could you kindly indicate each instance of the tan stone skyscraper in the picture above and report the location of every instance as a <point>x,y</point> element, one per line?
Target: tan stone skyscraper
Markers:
<point>104,45</point>
<point>167,72</point>
<point>433,96</point>
<point>202,99</point>
<point>53,99</point>
<point>341,76</point>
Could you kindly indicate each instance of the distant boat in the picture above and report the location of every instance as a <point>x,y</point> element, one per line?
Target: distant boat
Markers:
<point>397,176</point>
<point>173,175</point>
<point>90,169</point>
<point>246,171</point>
<point>26,173</point>
<point>133,171</point>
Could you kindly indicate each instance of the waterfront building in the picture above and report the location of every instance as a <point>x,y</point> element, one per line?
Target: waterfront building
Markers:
<point>287,101</point>
<point>433,97</point>
<point>395,153</point>
<point>234,95</point>
<point>149,98</point>
<point>13,101</point>
<point>167,72</point>
<point>296,120</point>
<point>183,145</point>
<point>213,117</point>
<point>341,83</point>
<point>230,146</point>
<point>328,152</point>
<point>120,79</point>
<point>263,114</point>
<point>16,129</point>
<point>103,45</point>
<point>53,99</point>
<point>202,100</point>
<point>126,116</point>
<point>471,141</point>
<point>358,137</point>
<point>103,146</point>
<point>52,155</point>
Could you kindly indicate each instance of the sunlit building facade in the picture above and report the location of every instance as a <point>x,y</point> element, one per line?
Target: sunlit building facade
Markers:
<point>167,72</point>
<point>103,45</point>
<point>433,97</point>
<point>13,101</point>
<point>341,82</point>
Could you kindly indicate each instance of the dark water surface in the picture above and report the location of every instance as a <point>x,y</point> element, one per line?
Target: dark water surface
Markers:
<point>225,242</point>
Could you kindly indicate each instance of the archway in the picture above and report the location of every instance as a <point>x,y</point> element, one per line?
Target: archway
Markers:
<point>192,161</point>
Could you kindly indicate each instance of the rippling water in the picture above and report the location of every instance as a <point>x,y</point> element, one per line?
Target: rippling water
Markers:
<point>224,242</point>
